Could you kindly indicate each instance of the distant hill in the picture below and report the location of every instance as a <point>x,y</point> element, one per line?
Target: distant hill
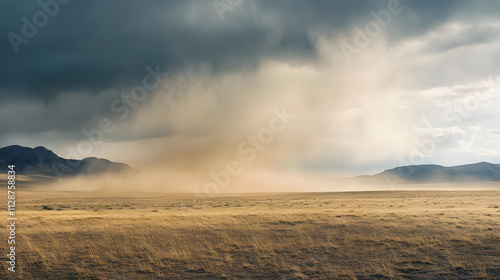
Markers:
<point>43,162</point>
<point>424,174</point>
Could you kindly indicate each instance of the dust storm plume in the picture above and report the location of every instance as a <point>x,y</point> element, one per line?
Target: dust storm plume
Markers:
<point>275,128</point>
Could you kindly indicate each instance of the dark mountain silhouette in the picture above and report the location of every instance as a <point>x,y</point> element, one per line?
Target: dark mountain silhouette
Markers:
<point>423,174</point>
<point>43,162</point>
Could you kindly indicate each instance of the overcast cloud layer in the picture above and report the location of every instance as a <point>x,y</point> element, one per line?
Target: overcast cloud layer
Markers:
<point>423,87</point>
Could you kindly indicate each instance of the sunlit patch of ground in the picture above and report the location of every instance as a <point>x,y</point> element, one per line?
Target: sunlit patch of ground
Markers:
<point>369,235</point>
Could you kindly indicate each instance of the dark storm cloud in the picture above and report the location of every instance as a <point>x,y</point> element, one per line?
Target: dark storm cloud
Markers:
<point>93,46</point>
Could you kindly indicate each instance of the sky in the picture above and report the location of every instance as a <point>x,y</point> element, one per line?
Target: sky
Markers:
<point>279,90</point>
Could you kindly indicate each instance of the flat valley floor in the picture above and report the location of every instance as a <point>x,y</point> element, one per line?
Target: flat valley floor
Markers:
<point>361,235</point>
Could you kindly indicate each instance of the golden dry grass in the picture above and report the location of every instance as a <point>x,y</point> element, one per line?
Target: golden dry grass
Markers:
<point>384,235</point>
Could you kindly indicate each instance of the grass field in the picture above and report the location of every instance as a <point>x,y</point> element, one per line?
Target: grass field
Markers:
<point>365,235</point>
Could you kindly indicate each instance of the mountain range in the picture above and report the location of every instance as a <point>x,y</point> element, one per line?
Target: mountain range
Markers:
<point>428,174</point>
<point>40,161</point>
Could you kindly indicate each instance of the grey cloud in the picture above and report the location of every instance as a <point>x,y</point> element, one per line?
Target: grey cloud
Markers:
<point>91,47</point>
<point>96,45</point>
<point>474,35</point>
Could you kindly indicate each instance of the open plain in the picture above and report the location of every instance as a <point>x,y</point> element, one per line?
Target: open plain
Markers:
<point>358,235</point>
